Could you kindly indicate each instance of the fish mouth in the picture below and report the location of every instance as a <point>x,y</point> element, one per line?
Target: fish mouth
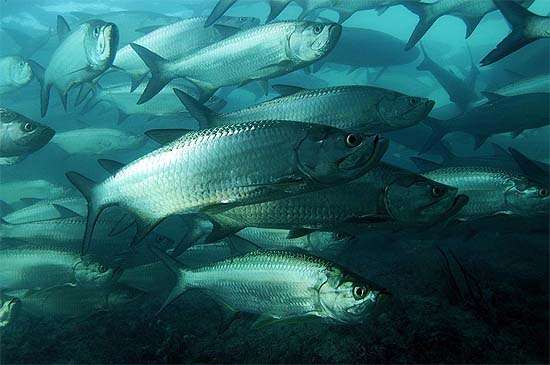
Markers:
<point>458,203</point>
<point>359,158</point>
<point>427,105</point>
<point>47,134</point>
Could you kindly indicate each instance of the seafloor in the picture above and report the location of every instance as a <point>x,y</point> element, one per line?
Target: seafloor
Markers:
<point>498,315</point>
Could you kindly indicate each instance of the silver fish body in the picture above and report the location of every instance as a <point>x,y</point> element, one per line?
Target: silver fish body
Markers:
<point>12,191</point>
<point>164,104</point>
<point>317,242</point>
<point>175,40</point>
<point>20,136</point>
<point>281,285</point>
<point>132,24</point>
<point>387,193</point>
<point>66,233</point>
<point>362,108</point>
<point>15,73</point>
<point>218,168</point>
<point>46,209</point>
<point>493,191</point>
<point>85,53</point>
<point>259,53</point>
<point>70,302</point>
<point>35,267</point>
<point>97,141</point>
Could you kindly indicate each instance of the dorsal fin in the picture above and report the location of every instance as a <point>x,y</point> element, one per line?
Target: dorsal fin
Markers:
<point>166,136</point>
<point>65,212</point>
<point>62,28</point>
<point>5,208</point>
<point>499,151</point>
<point>110,165</point>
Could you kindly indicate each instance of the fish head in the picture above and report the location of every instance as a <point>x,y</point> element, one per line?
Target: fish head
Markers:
<point>346,298</point>
<point>20,72</point>
<point>121,295</point>
<point>328,241</point>
<point>400,111</point>
<point>329,155</point>
<point>528,198</point>
<point>310,41</point>
<point>8,311</point>
<point>23,134</point>
<point>92,272</point>
<point>414,199</point>
<point>100,43</point>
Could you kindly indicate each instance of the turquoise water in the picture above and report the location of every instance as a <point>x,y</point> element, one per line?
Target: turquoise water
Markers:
<point>474,292</point>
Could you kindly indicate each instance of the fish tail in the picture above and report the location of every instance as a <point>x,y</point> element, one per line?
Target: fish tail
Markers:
<point>177,268</point>
<point>517,17</point>
<point>156,64</point>
<point>200,112</point>
<point>276,7</point>
<point>38,72</point>
<point>86,187</point>
<point>438,132</point>
<point>221,7</point>
<point>425,21</point>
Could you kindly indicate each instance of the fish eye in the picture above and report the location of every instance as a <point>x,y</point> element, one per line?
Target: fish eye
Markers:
<point>317,29</point>
<point>96,32</point>
<point>28,127</point>
<point>339,236</point>
<point>102,268</point>
<point>543,193</point>
<point>159,239</point>
<point>359,292</point>
<point>22,64</point>
<point>438,192</point>
<point>353,140</point>
<point>413,101</point>
<point>242,19</point>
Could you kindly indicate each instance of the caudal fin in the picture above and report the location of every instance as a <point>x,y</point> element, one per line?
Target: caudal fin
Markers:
<point>200,112</point>
<point>86,187</point>
<point>155,63</point>
<point>177,268</point>
<point>426,64</point>
<point>221,7</point>
<point>438,132</point>
<point>276,7</point>
<point>425,20</point>
<point>38,72</point>
<point>517,17</point>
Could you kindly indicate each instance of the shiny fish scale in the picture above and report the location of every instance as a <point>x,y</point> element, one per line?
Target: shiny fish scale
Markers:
<point>167,42</point>
<point>201,169</point>
<point>277,283</point>
<point>45,210</point>
<point>319,209</point>
<point>274,239</point>
<point>484,186</point>
<point>347,107</point>
<point>222,63</point>
<point>28,268</point>
<point>65,232</point>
